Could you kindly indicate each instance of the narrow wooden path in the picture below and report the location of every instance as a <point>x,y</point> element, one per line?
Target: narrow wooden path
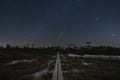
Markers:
<point>57,73</point>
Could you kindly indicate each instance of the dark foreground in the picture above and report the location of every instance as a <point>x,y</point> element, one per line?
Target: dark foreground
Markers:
<point>34,65</point>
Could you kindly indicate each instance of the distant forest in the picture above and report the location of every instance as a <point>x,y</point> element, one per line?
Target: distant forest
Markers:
<point>88,49</point>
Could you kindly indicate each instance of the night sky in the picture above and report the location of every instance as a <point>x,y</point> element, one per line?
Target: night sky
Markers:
<point>60,22</point>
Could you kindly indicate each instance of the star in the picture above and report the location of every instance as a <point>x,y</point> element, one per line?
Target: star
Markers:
<point>97,18</point>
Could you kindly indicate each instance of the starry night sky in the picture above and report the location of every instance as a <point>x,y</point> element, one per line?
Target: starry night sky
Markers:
<point>61,22</point>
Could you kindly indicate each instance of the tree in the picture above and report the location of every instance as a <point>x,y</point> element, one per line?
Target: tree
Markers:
<point>88,44</point>
<point>33,45</point>
<point>27,45</point>
<point>8,46</point>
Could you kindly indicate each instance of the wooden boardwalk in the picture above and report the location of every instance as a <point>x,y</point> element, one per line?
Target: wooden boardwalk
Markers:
<point>57,73</point>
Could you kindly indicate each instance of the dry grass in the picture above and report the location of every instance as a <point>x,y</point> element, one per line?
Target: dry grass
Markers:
<point>22,70</point>
<point>98,70</point>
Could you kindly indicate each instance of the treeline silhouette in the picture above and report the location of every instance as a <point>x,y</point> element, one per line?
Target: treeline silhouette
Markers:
<point>99,50</point>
